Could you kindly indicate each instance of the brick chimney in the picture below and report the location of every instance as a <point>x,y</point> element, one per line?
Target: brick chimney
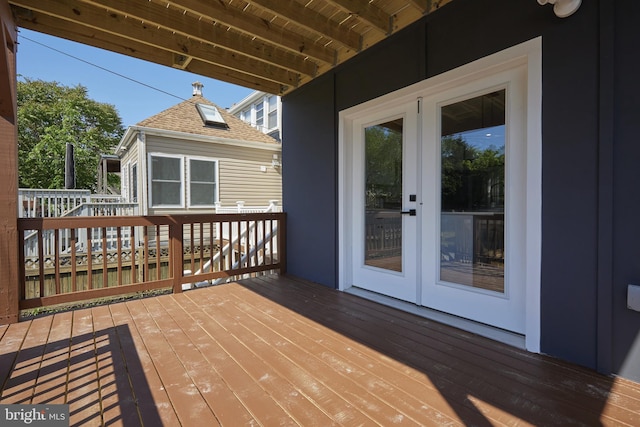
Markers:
<point>197,88</point>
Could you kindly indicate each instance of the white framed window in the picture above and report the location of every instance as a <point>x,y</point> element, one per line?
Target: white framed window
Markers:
<point>171,187</point>
<point>203,182</point>
<point>259,114</point>
<point>166,177</point>
<point>245,115</point>
<point>134,183</point>
<point>124,182</point>
<point>272,119</point>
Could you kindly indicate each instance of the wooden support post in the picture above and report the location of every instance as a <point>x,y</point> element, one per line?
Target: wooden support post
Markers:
<point>176,254</point>
<point>9,260</point>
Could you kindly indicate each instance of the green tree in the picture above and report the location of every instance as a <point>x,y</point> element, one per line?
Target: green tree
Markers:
<point>51,115</point>
<point>383,165</point>
<point>472,178</point>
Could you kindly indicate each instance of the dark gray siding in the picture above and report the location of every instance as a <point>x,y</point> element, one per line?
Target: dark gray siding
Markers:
<point>625,325</point>
<point>309,181</point>
<point>589,243</point>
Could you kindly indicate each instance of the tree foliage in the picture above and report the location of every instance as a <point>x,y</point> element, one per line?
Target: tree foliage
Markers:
<point>472,178</point>
<point>51,115</point>
<point>383,166</point>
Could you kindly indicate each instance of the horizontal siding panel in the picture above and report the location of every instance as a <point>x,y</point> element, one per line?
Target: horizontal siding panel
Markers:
<point>241,177</point>
<point>214,150</point>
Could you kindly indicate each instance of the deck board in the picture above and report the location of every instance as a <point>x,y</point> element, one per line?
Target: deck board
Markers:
<point>281,351</point>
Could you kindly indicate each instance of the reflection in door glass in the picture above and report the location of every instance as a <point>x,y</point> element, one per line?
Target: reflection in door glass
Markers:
<point>472,192</point>
<point>383,195</point>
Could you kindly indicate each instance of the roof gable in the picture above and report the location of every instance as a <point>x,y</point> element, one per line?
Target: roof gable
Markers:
<point>185,117</point>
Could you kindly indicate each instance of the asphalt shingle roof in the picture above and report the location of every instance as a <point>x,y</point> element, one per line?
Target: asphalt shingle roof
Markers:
<point>184,117</point>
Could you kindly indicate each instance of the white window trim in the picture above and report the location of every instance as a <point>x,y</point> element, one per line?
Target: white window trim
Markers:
<point>150,179</point>
<point>275,111</point>
<point>133,176</point>
<point>528,53</point>
<point>187,184</point>
<point>124,182</point>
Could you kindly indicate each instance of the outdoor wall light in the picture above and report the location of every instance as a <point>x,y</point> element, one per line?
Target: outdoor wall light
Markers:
<point>563,8</point>
<point>275,163</point>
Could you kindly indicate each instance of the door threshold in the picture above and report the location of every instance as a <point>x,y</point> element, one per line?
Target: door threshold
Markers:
<point>491,332</point>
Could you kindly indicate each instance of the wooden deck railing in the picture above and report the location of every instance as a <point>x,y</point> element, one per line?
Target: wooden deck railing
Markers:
<point>150,252</point>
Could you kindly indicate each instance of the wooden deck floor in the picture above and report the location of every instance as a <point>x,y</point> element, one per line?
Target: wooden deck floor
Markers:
<point>279,351</point>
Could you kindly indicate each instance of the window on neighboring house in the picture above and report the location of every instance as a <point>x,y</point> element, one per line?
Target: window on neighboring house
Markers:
<point>245,115</point>
<point>273,112</point>
<point>166,181</point>
<point>124,183</point>
<point>259,115</point>
<point>134,183</point>
<point>202,182</point>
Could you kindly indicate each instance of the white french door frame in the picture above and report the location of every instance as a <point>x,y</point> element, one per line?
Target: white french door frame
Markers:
<point>398,284</point>
<point>527,55</point>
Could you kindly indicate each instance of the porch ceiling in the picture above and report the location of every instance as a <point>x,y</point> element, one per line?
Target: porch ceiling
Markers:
<point>269,45</point>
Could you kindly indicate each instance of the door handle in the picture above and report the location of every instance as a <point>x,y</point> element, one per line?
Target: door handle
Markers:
<point>410,212</point>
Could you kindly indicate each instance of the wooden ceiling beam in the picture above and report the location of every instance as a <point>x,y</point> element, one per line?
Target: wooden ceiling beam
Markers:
<point>220,12</point>
<point>205,31</point>
<point>302,16</point>
<point>422,5</point>
<point>367,12</point>
<point>135,30</point>
<point>103,40</point>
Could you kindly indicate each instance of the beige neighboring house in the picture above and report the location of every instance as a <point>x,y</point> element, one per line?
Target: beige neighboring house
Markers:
<point>195,158</point>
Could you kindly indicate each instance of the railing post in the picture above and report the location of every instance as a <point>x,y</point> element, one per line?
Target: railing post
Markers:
<point>176,256</point>
<point>282,244</point>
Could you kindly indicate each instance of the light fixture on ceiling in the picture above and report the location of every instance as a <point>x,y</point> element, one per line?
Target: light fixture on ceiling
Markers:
<point>563,8</point>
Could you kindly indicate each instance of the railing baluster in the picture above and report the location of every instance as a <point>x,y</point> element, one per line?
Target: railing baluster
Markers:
<point>56,259</point>
<point>146,256</point>
<point>119,254</point>
<point>201,246</point>
<point>134,251</point>
<point>22,291</point>
<point>158,250</point>
<point>211,247</point>
<point>41,261</point>
<point>191,249</point>
<point>89,258</point>
<point>73,261</point>
<point>105,264</point>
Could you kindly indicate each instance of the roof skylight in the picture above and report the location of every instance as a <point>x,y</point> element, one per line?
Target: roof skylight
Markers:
<point>210,115</point>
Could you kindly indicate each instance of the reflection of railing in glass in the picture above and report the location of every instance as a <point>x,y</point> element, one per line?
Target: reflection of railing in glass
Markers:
<point>472,249</point>
<point>383,234</point>
<point>472,191</point>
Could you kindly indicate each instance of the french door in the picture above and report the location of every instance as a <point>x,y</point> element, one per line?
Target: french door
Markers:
<point>384,206</point>
<point>438,209</point>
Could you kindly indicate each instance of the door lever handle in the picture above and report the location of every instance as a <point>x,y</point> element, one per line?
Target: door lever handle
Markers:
<point>410,212</point>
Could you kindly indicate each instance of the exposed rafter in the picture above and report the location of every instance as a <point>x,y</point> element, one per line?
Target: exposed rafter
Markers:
<point>269,45</point>
<point>368,12</point>
<point>304,17</point>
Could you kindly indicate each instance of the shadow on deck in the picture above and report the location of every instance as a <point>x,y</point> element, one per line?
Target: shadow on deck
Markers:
<point>281,351</point>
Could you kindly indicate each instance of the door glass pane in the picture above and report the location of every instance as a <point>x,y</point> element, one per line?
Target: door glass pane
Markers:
<point>383,195</point>
<point>472,192</point>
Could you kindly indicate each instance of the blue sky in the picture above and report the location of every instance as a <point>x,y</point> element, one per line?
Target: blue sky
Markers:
<point>133,101</point>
